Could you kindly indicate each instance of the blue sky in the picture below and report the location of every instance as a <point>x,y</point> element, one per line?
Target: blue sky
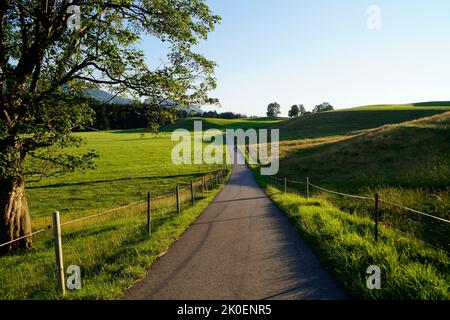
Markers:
<point>297,51</point>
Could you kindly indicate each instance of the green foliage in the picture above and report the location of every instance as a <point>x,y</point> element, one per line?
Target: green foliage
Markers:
<point>323,107</point>
<point>294,111</point>
<point>46,68</point>
<point>273,110</point>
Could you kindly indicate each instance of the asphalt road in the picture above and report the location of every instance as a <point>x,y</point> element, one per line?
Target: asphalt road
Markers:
<point>241,247</point>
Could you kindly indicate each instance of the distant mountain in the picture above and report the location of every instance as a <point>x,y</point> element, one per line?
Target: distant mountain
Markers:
<point>103,96</point>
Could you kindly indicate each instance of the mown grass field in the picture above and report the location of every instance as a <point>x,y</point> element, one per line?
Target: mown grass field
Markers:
<point>130,165</point>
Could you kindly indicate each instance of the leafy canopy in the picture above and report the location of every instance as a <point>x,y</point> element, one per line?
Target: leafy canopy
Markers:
<point>46,67</point>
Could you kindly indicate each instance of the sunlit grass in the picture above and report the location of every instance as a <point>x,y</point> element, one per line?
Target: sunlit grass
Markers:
<point>345,242</point>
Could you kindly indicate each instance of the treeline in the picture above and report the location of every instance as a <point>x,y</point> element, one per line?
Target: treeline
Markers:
<point>122,116</point>
<point>117,117</point>
<point>222,115</point>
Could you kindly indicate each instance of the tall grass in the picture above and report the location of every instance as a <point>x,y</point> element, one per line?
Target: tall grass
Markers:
<point>345,242</point>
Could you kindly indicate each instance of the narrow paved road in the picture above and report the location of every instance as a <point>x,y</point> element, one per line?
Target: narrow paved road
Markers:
<point>241,247</point>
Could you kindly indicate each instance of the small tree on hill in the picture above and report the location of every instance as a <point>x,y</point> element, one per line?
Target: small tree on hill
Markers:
<point>323,107</point>
<point>302,109</point>
<point>273,110</point>
<point>294,112</point>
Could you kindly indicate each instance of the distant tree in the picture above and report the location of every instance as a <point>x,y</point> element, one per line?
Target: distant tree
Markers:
<point>294,112</point>
<point>273,110</point>
<point>302,109</point>
<point>210,114</point>
<point>323,107</point>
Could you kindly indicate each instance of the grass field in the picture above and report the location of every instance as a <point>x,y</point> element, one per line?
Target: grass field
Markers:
<point>407,163</point>
<point>130,166</point>
<point>361,150</point>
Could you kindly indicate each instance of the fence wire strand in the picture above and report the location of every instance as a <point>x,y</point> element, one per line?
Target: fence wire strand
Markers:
<point>184,187</point>
<point>366,198</point>
<point>23,237</point>
<point>415,211</point>
<point>340,193</point>
<point>102,213</point>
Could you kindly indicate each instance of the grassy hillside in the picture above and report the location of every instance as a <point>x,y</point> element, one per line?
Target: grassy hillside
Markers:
<point>376,149</point>
<point>406,163</point>
<point>222,124</point>
<point>350,121</point>
<point>410,154</point>
<point>443,105</point>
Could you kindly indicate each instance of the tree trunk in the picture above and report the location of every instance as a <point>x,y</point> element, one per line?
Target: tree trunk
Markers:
<point>14,215</point>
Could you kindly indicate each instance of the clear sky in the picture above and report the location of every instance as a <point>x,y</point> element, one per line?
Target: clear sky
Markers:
<point>311,51</point>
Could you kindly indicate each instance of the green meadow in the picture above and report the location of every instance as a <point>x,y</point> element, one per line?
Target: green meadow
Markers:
<point>131,164</point>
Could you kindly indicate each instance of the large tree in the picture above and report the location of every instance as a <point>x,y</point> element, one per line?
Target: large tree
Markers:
<point>49,56</point>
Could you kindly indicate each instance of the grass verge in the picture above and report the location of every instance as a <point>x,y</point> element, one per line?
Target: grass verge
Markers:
<point>345,243</point>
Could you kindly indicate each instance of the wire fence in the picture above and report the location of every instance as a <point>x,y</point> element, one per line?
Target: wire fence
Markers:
<point>200,185</point>
<point>151,211</point>
<point>374,201</point>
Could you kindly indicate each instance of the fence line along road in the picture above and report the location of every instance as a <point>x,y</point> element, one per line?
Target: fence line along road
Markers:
<point>184,187</point>
<point>415,211</point>
<point>364,198</point>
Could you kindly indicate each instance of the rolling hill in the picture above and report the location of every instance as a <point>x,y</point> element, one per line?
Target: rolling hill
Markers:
<point>350,121</point>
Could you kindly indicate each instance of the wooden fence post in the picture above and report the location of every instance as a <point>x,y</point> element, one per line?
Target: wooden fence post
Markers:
<point>285,185</point>
<point>149,218</point>
<point>192,193</point>
<point>307,187</point>
<point>58,252</point>
<point>178,200</point>
<point>203,185</point>
<point>377,201</point>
